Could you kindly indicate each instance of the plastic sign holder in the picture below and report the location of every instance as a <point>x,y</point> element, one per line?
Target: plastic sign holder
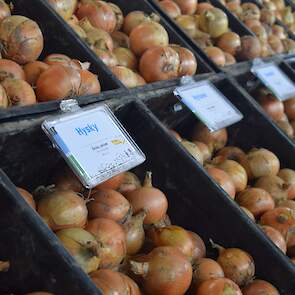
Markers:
<point>274,79</point>
<point>93,142</point>
<point>207,103</point>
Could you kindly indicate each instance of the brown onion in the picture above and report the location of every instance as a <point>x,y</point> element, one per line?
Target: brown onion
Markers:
<point>250,23</point>
<point>64,8</point>
<point>109,204</point>
<point>130,183</point>
<point>82,246</point>
<point>279,31</point>
<point>111,240</point>
<point>199,248</point>
<point>4,101</point>
<point>19,92</point>
<point>126,76</point>
<point>187,6</point>
<point>135,234</point>
<point>126,58</point>
<point>276,237</point>
<point>22,39</point>
<point>120,39</point>
<point>203,6</point>
<point>193,150</point>
<point>272,106</point>
<point>159,63</point>
<point>250,48</point>
<point>89,83</point>
<point>215,140</point>
<point>204,149</point>
<point>223,179</point>
<point>73,20</point>
<point>99,13</point>
<point>150,199</point>
<point>259,287</point>
<point>148,35</point>
<point>188,24</point>
<point>286,128</point>
<point>27,197</point>
<point>288,175</point>
<point>61,209</point>
<point>229,59</point>
<point>108,57</point>
<point>260,33</point>
<point>10,69</point>
<point>248,213</point>
<point>159,266</point>
<point>288,204</point>
<point>112,183</point>
<point>250,11</point>
<point>275,44</point>
<point>4,10</point>
<point>61,59</point>
<point>290,108</point>
<point>229,42</point>
<point>263,162</point>
<point>171,8</point>
<point>289,45</point>
<point>175,134</point>
<point>111,282</point>
<point>219,286</point>
<point>267,16</point>
<point>257,201</point>
<point>119,15</point>
<point>33,70</point>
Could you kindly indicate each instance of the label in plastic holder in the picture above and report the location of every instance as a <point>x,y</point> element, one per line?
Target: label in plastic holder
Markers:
<point>208,104</point>
<point>275,79</point>
<point>94,144</point>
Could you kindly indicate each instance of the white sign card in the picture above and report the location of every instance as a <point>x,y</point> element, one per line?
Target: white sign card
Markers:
<point>94,144</point>
<point>275,80</point>
<point>208,104</point>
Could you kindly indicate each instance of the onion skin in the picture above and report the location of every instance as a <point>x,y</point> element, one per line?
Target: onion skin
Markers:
<point>129,78</point>
<point>216,54</point>
<point>250,48</point>
<point>109,204</point>
<point>290,108</point>
<point>4,101</point>
<point>107,57</point>
<point>120,39</point>
<point>89,84</point>
<point>288,175</point>
<point>276,237</point>
<point>148,35</point>
<point>275,44</point>
<point>257,201</point>
<point>112,183</point>
<point>130,183</point>
<point>188,24</point>
<point>237,265</point>
<point>22,37</point>
<point>260,287</point>
<point>33,70</point>
<point>171,8</point>
<point>110,282</point>
<point>10,69</point>
<point>150,199</point>
<point>187,6</point>
<point>288,203</point>
<point>62,209</point>
<point>82,246</point>
<point>204,149</point>
<point>119,15</point>
<point>250,11</point>
<point>27,197</point>
<point>111,239</point>
<point>193,150</point>
<point>159,266</point>
<point>220,286</point>
<point>126,58</point>
<point>19,92</point>
<point>282,219</point>
<point>229,42</point>
<point>4,10</point>
<point>199,248</point>
<point>64,8</point>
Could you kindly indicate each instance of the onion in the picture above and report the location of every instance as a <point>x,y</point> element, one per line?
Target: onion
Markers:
<point>130,183</point>
<point>270,6</point>
<point>206,269</point>
<point>82,246</point>
<point>263,162</point>
<point>275,44</point>
<point>276,237</point>
<point>118,14</point>
<point>193,150</point>
<point>188,24</point>
<point>147,35</point>
<point>250,48</point>
<point>171,8</point>
<point>108,57</point>
<point>165,221</point>
<point>150,199</point>
<point>286,128</point>
<point>220,286</point>
<point>109,204</point>
<point>266,49</point>
<point>234,7</point>
<point>4,10</point>
<point>290,108</point>
<point>57,82</point>
<point>248,213</point>
<point>267,16</point>
<point>257,201</point>
<point>260,287</point>
<point>187,6</point>
<point>33,70</point>
<point>4,101</point>
<point>229,42</point>
<point>120,39</point>
<point>272,106</point>
<point>89,83</point>
<point>99,14</point>
<point>288,203</point>
<point>61,209</point>
<point>112,183</point>
<point>159,266</point>
<point>159,63</point>
<point>203,6</point>
<point>10,69</point>
<point>250,23</point>
<point>229,59</point>
<point>27,197</point>
<point>204,149</point>
<point>188,62</point>
<point>287,16</point>
<point>290,239</point>
<point>214,22</point>
<point>126,58</point>
<point>126,76</point>
<point>250,11</point>
<point>199,248</point>
<point>111,239</point>
<point>22,39</point>
<point>175,134</point>
<point>237,265</point>
<point>223,179</point>
<point>288,175</point>
<point>19,92</point>
<point>215,140</point>
<point>96,38</point>
<point>73,20</point>
<point>235,171</point>
<point>260,33</point>
<point>65,8</point>
<point>281,218</point>
<point>135,235</point>
<point>61,59</point>
<point>110,282</point>
<point>279,31</point>
<point>289,45</point>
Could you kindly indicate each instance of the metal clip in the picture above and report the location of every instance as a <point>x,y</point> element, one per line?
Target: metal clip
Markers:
<point>69,106</point>
<point>186,80</point>
<point>257,62</point>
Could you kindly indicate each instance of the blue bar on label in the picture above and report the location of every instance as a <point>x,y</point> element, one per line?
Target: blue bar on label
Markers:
<point>61,144</point>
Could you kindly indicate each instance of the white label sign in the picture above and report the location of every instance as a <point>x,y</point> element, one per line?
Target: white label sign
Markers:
<point>276,80</point>
<point>208,104</point>
<point>94,144</point>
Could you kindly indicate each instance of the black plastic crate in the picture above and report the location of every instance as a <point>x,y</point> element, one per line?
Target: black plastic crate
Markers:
<point>195,203</point>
